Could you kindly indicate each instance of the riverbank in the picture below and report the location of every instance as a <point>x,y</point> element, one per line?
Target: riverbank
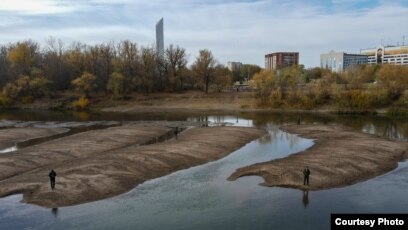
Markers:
<point>91,166</point>
<point>340,157</point>
<point>224,102</point>
<point>193,101</point>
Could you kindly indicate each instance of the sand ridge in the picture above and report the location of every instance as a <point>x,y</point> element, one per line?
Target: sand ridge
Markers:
<point>340,157</point>
<point>11,136</point>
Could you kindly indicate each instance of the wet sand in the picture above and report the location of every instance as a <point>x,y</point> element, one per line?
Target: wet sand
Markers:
<point>9,137</point>
<point>98,174</point>
<point>340,157</point>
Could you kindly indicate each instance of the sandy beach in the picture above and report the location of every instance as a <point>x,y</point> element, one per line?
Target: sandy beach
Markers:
<point>98,164</point>
<point>339,157</point>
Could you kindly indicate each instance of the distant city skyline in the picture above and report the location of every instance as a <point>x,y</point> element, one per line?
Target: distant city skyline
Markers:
<point>241,30</point>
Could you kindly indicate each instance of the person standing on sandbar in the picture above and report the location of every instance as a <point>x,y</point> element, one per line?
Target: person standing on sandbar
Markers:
<point>52,176</point>
<point>306,173</point>
<point>176,132</point>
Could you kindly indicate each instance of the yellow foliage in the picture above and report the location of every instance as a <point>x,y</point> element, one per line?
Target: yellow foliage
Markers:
<point>85,83</point>
<point>82,115</point>
<point>81,104</point>
<point>21,55</point>
<point>394,79</point>
<point>264,83</point>
<point>275,98</point>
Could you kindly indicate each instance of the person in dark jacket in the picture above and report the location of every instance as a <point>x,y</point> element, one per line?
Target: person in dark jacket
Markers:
<point>306,174</point>
<point>52,176</point>
<point>176,132</point>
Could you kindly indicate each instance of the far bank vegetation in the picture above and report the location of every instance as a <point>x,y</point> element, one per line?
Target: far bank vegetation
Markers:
<point>29,71</point>
<point>359,88</point>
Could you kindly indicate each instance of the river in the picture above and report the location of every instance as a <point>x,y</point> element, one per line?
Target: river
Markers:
<point>202,198</point>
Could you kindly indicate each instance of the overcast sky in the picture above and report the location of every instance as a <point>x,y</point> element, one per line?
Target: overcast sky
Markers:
<point>240,30</point>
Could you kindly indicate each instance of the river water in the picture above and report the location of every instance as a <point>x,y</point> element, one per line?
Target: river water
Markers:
<point>202,198</point>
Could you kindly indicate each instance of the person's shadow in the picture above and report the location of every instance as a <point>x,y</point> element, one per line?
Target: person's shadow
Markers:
<point>305,199</point>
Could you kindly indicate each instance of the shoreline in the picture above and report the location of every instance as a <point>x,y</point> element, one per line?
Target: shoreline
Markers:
<point>101,174</point>
<point>339,157</point>
<point>197,102</point>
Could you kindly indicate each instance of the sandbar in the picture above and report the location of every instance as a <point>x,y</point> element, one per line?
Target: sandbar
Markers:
<point>340,156</point>
<point>105,173</point>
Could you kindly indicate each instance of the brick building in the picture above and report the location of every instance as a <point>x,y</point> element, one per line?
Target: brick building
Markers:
<point>281,60</point>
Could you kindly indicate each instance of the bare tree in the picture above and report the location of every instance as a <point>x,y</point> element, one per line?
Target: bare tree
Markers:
<point>148,70</point>
<point>177,61</point>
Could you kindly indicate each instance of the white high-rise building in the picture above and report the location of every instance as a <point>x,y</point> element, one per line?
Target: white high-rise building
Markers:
<point>340,61</point>
<point>160,38</point>
<point>394,55</point>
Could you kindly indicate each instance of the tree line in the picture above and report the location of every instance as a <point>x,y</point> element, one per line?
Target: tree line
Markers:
<point>360,87</point>
<point>29,71</point>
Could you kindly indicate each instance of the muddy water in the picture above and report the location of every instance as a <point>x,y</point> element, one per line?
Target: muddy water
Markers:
<point>202,198</point>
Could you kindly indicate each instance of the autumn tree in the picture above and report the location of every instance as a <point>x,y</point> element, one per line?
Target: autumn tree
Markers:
<point>24,86</point>
<point>223,78</point>
<point>40,86</point>
<point>119,84</point>
<point>22,56</point>
<point>248,70</point>
<point>314,73</point>
<point>74,59</point>
<point>265,83</point>
<point>394,79</point>
<point>203,67</point>
<point>85,83</point>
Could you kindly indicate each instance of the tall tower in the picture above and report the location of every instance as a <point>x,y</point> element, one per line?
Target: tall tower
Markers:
<point>160,38</point>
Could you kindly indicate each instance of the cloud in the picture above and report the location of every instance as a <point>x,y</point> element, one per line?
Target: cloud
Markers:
<point>30,7</point>
<point>234,30</point>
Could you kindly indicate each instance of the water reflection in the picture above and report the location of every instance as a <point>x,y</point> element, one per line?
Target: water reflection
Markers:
<point>305,198</point>
<point>389,130</point>
<point>54,212</point>
<point>82,115</point>
<point>390,127</point>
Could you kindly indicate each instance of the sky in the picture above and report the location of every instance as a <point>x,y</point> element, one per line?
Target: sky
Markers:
<point>234,30</point>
